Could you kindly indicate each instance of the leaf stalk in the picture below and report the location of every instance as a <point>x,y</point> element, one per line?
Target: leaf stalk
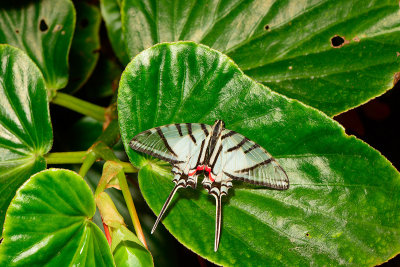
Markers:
<point>131,207</point>
<point>80,106</point>
<point>65,157</point>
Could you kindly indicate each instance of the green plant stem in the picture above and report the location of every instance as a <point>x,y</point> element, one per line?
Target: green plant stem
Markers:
<point>65,157</point>
<point>78,157</point>
<point>128,168</point>
<point>87,163</point>
<point>131,207</point>
<point>111,134</point>
<point>80,106</point>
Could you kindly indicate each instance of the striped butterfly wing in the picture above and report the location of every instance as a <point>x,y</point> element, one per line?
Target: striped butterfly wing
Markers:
<point>243,159</point>
<point>175,143</point>
<point>179,144</point>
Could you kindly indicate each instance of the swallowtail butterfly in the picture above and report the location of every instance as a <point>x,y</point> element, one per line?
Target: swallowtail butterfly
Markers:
<point>221,155</point>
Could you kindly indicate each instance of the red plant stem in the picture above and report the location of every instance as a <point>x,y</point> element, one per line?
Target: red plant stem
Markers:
<point>108,236</point>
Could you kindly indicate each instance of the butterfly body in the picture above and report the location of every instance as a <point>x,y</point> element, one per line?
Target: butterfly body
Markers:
<point>221,155</point>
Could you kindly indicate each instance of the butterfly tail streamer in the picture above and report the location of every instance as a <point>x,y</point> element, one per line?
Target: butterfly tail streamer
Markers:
<point>218,210</point>
<point>164,208</point>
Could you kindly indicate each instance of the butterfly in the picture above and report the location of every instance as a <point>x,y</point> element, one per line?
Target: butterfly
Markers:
<point>220,154</point>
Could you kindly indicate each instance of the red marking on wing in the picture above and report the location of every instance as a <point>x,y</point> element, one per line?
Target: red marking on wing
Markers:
<point>192,173</point>
<point>208,169</point>
<point>210,177</point>
<point>200,168</point>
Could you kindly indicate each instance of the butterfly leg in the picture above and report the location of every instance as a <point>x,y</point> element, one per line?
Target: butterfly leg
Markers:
<point>181,181</point>
<point>217,189</point>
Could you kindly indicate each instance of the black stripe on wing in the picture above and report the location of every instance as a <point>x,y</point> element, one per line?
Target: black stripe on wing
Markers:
<point>189,128</point>
<point>244,141</point>
<point>152,153</point>
<point>252,148</point>
<point>274,186</point>
<point>265,162</point>
<point>160,133</point>
<point>201,153</point>
<point>204,128</point>
<point>230,133</point>
<point>216,157</point>
<point>178,127</point>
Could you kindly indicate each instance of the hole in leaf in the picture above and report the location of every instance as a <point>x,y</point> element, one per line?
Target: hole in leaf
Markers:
<point>84,23</point>
<point>266,27</point>
<point>337,41</point>
<point>307,234</point>
<point>43,25</point>
<point>17,31</point>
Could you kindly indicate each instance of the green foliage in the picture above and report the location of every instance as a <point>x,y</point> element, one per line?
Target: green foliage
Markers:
<point>111,11</point>
<point>25,128</point>
<point>45,35</point>
<point>342,207</point>
<point>85,47</point>
<point>286,45</point>
<point>48,222</point>
<point>336,207</point>
<point>160,243</point>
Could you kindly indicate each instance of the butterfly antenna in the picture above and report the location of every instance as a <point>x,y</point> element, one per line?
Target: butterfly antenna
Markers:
<point>171,195</point>
<point>217,221</point>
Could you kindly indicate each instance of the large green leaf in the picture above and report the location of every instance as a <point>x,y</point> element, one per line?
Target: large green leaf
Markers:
<point>111,11</point>
<point>43,29</point>
<point>25,127</point>
<point>342,206</point>
<point>48,223</point>
<point>286,45</point>
<point>85,47</point>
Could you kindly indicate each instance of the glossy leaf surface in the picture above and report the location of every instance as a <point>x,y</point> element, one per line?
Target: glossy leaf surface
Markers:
<point>111,12</point>
<point>128,250</point>
<point>342,206</point>
<point>85,47</point>
<point>25,127</point>
<point>286,45</point>
<point>48,222</point>
<point>43,29</point>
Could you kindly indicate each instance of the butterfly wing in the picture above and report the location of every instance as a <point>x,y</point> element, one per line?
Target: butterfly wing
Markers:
<point>182,145</point>
<point>243,159</point>
<point>175,143</point>
<point>237,157</point>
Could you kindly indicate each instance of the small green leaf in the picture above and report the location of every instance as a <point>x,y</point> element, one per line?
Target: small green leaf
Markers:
<point>342,206</point>
<point>48,223</point>
<point>128,250</point>
<point>85,47</point>
<point>25,127</point>
<point>110,10</point>
<point>43,29</point>
<point>286,45</point>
